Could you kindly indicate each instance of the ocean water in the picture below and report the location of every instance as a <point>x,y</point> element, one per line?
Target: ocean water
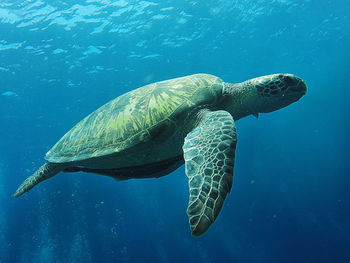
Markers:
<point>60,60</point>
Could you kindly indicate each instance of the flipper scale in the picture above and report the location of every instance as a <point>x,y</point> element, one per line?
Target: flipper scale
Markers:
<point>44,172</point>
<point>209,167</point>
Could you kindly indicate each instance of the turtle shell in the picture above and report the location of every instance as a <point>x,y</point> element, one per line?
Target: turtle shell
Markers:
<point>127,120</point>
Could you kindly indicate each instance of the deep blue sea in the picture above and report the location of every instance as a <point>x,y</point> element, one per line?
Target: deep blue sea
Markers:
<point>61,60</point>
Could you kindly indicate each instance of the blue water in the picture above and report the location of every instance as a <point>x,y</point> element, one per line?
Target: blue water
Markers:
<point>60,60</point>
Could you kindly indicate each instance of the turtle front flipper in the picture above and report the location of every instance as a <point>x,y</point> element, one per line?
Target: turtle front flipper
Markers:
<point>44,172</point>
<point>209,152</point>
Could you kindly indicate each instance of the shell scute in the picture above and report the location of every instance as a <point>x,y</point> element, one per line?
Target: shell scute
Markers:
<point>128,119</point>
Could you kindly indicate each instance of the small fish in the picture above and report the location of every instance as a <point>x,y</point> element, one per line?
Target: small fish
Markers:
<point>9,94</point>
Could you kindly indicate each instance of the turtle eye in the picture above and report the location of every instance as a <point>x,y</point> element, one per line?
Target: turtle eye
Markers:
<point>289,81</point>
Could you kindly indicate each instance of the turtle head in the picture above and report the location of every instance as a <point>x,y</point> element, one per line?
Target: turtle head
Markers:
<point>274,92</point>
<point>265,94</point>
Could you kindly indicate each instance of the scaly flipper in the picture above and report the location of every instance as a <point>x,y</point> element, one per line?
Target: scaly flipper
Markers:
<point>44,172</point>
<point>209,152</point>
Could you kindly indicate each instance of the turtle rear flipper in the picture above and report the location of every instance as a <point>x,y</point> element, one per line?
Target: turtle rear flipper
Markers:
<point>44,172</point>
<point>209,152</point>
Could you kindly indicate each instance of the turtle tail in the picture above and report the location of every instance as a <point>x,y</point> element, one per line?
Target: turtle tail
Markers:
<point>44,172</point>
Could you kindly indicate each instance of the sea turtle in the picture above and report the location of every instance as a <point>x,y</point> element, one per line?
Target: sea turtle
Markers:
<point>151,131</point>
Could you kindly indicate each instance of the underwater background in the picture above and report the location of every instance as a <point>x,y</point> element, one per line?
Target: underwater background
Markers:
<point>60,60</point>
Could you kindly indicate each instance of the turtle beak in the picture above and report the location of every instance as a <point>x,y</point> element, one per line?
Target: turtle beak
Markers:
<point>303,87</point>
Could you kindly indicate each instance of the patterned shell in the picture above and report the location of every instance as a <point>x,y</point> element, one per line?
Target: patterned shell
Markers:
<point>125,121</point>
